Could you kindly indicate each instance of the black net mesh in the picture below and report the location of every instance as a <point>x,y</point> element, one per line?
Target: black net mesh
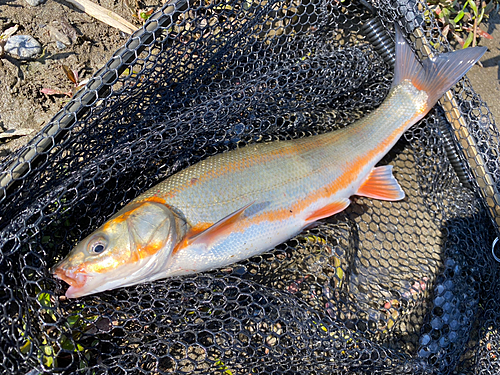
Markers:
<point>382,288</point>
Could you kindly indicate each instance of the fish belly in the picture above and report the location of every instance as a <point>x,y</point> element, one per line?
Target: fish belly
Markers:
<point>238,246</point>
<point>283,183</point>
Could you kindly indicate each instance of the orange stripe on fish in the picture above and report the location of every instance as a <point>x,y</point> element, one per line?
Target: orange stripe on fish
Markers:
<point>150,249</point>
<point>252,160</point>
<point>236,223</point>
<point>348,177</point>
<point>291,182</point>
<point>154,198</point>
<point>131,208</point>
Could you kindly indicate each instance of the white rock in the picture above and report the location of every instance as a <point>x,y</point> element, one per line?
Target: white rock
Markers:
<point>34,3</point>
<point>23,47</point>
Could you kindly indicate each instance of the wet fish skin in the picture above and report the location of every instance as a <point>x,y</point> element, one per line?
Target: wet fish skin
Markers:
<point>240,203</point>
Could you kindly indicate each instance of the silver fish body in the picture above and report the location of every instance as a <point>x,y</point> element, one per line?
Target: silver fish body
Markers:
<point>241,203</point>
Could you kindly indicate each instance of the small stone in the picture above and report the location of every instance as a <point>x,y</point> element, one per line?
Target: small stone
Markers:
<point>440,289</point>
<point>60,45</point>
<point>433,347</point>
<point>34,3</point>
<point>438,301</point>
<point>424,353</point>
<point>448,296</point>
<point>446,318</point>
<point>443,342</point>
<point>448,307</point>
<point>23,47</point>
<point>453,336</point>
<point>59,36</point>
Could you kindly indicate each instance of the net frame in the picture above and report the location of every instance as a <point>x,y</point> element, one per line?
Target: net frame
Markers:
<point>34,321</point>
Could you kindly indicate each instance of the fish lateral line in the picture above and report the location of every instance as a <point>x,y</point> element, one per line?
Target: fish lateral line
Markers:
<point>349,170</point>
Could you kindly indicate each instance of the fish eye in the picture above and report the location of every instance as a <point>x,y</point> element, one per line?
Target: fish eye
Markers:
<point>97,245</point>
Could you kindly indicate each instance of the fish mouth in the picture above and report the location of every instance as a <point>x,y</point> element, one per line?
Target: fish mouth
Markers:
<point>76,280</point>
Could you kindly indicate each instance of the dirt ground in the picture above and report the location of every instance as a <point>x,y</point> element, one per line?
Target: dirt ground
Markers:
<point>25,109</point>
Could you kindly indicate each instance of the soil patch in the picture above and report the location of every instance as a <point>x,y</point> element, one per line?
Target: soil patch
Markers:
<point>68,37</point>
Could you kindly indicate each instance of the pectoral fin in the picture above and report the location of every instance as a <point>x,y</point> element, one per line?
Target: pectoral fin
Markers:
<point>382,185</point>
<point>205,235</point>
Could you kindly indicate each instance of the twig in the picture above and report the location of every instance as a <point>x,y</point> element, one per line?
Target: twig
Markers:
<point>104,15</point>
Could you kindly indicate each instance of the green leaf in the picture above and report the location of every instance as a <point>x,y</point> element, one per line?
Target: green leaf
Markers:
<point>44,299</point>
<point>474,7</point>
<point>26,347</point>
<point>48,358</point>
<point>480,17</point>
<point>247,4</point>
<point>221,366</point>
<point>145,14</point>
<point>459,16</point>
<point>66,343</point>
<point>469,39</point>
<point>46,304</point>
<point>73,319</point>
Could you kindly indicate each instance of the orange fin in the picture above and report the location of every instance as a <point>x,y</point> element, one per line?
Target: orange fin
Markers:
<point>329,210</point>
<point>382,185</point>
<point>221,228</point>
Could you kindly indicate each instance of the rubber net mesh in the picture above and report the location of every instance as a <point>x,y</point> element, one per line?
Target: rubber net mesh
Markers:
<point>382,288</point>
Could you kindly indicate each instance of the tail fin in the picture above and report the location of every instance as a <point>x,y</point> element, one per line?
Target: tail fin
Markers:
<point>435,75</point>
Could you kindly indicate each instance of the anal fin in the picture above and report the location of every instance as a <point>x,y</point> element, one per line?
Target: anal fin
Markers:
<point>329,210</point>
<point>382,185</point>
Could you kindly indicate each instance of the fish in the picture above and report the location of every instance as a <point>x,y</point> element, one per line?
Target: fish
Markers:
<point>243,202</point>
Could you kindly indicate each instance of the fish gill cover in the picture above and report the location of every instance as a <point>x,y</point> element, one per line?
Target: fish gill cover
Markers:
<point>383,287</point>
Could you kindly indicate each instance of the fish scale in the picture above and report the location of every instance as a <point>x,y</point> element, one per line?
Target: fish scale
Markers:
<point>285,172</point>
<point>232,206</point>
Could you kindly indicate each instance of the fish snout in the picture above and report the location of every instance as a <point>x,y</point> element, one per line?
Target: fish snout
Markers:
<point>72,276</point>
